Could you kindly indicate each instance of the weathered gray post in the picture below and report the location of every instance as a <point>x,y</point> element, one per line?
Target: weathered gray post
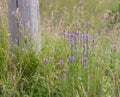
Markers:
<point>23,17</point>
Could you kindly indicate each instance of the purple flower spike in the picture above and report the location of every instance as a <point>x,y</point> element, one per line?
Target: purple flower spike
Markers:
<point>84,46</point>
<point>64,33</point>
<point>81,60</point>
<point>93,41</point>
<point>61,61</point>
<point>71,41</point>
<point>75,51</point>
<point>80,39</point>
<point>45,60</point>
<point>71,58</point>
<point>86,36</point>
<point>74,35</point>
<point>69,35</point>
<point>78,33</point>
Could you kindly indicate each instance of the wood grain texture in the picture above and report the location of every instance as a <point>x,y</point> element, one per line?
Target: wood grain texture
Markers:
<point>28,22</point>
<point>13,29</point>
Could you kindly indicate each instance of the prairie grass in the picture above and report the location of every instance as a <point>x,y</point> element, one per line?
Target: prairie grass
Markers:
<point>79,57</point>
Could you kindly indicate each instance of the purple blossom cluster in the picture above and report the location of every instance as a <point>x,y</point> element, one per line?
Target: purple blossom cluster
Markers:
<point>79,44</point>
<point>86,36</point>
<point>71,58</point>
<point>80,48</point>
<point>61,61</point>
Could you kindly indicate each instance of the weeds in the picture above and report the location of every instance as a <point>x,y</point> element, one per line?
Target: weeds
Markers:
<point>80,62</point>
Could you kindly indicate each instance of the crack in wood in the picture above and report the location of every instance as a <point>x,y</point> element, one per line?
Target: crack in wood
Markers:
<point>17,3</point>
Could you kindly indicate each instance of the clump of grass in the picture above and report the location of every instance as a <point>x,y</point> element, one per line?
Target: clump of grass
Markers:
<point>72,64</point>
<point>84,78</point>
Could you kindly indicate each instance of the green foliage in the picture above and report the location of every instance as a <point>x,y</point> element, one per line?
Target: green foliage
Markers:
<point>23,73</point>
<point>114,17</point>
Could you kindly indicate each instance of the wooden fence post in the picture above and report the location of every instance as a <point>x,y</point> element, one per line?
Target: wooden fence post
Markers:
<point>23,17</point>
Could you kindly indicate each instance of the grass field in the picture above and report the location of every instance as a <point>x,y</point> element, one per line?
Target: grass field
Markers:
<point>80,54</point>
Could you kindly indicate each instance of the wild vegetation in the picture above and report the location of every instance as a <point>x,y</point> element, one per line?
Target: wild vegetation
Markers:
<point>80,54</point>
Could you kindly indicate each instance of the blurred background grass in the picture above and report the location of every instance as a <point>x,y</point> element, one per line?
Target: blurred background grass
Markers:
<point>57,15</point>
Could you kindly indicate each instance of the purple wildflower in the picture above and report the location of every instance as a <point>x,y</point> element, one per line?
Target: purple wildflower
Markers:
<point>64,33</point>
<point>71,58</point>
<point>93,41</point>
<point>86,36</point>
<point>84,46</point>
<point>61,61</point>
<point>78,33</point>
<point>74,35</point>
<point>45,60</point>
<point>81,60</point>
<point>81,39</point>
<point>85,60</point>
<point>75,51</point>
<point>65,70</point>
<point>71,41</point>
<point>69,35</point>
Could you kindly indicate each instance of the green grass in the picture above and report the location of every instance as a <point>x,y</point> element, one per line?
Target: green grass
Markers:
<point>25,74</point>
